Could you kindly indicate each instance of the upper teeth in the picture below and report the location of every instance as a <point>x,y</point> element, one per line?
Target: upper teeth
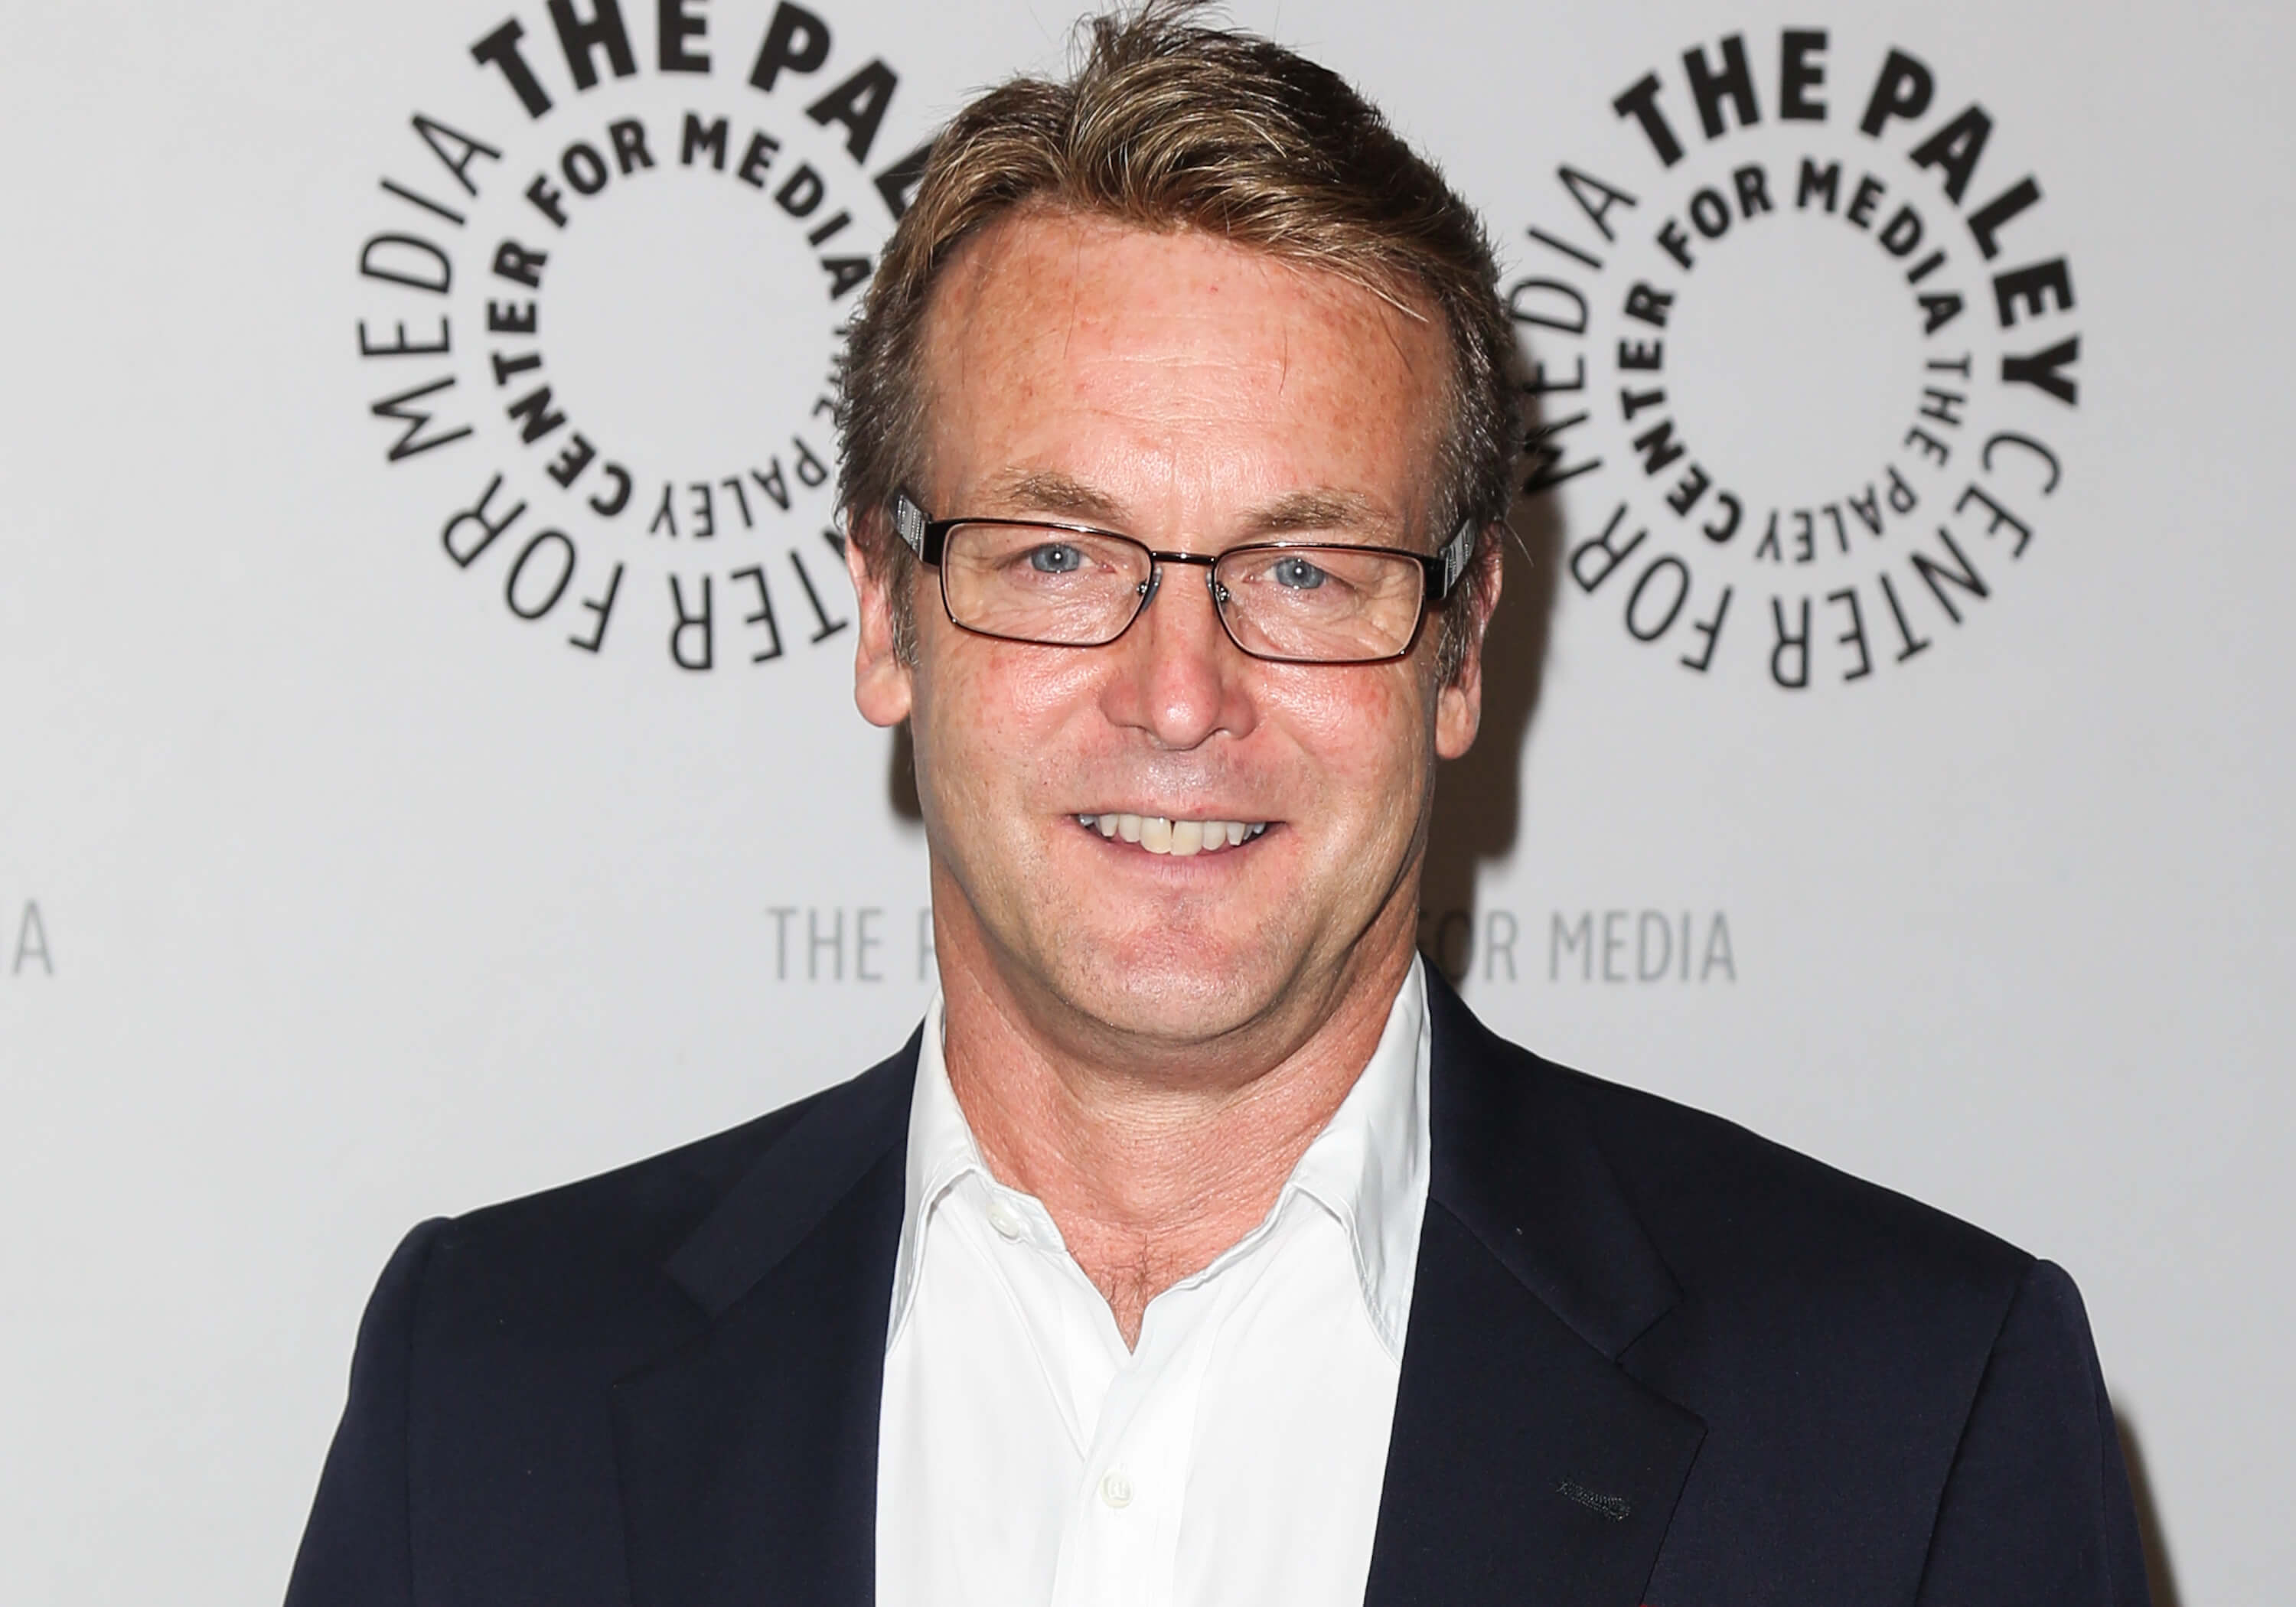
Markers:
<point>1180,838</point>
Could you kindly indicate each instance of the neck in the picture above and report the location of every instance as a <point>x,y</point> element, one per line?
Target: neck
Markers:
<point>1152,1163</point>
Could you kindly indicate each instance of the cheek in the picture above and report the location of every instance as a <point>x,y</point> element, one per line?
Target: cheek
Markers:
<point>1365,732</point>
<point>991,715</point>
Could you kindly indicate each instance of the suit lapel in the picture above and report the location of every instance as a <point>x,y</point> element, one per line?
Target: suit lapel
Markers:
<point>1525,1465</point>
<point>748,1458</point>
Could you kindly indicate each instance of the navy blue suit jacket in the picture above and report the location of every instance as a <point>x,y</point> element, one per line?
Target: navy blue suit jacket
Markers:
<point>1651,1358</point>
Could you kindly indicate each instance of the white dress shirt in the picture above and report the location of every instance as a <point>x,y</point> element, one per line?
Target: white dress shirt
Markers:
<point>1025,1458</point>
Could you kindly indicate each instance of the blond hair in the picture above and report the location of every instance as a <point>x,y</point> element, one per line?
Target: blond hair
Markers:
<point>1169,123</point>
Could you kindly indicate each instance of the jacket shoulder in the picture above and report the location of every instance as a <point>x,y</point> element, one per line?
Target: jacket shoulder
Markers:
<point>1877,1379</point>
<point>572,1263</point>
<point>1733,1211</point>
<point>479,1440</point>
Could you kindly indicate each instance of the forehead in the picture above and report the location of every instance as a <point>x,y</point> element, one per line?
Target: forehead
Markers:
<point>1175,373</point>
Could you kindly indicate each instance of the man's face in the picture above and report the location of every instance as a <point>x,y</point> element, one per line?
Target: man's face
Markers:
<point>1194,396</point>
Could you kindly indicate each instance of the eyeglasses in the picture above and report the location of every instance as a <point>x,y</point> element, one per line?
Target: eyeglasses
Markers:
<point>1290,601</point>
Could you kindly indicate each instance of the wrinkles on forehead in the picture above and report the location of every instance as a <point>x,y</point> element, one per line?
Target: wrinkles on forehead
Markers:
<point>1029,327</point>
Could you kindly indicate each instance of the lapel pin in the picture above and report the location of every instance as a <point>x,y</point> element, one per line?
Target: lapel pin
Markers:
<point>1613,1507</point>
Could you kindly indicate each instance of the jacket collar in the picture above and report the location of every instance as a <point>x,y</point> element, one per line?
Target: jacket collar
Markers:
<point>748,1455</point>
<point>840,1136</point>
<point>1525,1464</point>
<point>1517,1162</point>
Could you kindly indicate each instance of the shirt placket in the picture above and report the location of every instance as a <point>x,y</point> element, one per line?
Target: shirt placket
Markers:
<point>1128,1510</point>
<point>1123,1514</point>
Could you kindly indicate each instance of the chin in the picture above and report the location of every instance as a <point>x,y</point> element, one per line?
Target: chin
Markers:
<point>1177,983</point>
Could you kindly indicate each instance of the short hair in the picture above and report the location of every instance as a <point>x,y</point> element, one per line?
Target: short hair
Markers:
<point>1168,124</point>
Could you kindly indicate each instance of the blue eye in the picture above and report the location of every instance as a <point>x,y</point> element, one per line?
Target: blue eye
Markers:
<point>1297,574</point>
<point>1055,558</point>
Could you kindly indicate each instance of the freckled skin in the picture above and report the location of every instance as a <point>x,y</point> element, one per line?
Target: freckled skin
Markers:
<point>1148,1043</point>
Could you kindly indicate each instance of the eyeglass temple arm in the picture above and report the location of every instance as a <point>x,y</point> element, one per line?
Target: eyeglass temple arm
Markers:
<point>909,522</point>
<point>1456,555</point>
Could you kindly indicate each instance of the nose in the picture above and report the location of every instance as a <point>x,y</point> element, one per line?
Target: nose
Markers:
<point>1175,676</point>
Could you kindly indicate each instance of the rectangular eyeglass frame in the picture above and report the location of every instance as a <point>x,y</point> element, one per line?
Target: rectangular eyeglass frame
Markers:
<point>928,538</point>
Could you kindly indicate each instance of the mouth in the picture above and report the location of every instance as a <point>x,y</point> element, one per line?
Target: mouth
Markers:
<point>1180,839</point>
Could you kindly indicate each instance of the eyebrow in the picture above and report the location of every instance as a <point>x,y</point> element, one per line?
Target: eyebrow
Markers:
<point>1048,491</point>
<point>1059,495</point>
<point>1321,509</point>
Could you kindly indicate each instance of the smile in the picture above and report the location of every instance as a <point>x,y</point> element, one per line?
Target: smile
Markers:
<point>1181,839</point>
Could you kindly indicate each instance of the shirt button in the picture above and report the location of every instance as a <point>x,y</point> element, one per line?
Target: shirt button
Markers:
<point>1005,1219</point>
<point>1116,1489</point>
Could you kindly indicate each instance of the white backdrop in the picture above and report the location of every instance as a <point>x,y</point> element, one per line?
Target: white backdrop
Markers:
<point>335,893</point>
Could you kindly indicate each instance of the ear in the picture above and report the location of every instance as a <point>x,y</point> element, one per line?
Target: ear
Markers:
<point>882,685</point>
<point>1459,703</point>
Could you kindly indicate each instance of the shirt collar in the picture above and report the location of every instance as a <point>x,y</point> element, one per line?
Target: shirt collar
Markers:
<point>941,1151</point>
<point>1368,1168</point>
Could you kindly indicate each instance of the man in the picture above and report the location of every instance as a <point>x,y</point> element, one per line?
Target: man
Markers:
<point>1201,1247</point>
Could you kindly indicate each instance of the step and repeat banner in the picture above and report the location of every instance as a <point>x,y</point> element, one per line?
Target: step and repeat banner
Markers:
<point>429,771</point>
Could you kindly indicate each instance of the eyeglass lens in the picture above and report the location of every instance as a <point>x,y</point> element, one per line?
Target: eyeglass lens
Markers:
<point>1078,588</point>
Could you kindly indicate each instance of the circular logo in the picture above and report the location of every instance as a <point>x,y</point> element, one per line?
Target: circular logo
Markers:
<point>1799,349</point>
<point>607,315</point>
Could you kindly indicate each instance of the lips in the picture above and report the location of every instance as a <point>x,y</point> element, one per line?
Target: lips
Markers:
<point>1180,839</point>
